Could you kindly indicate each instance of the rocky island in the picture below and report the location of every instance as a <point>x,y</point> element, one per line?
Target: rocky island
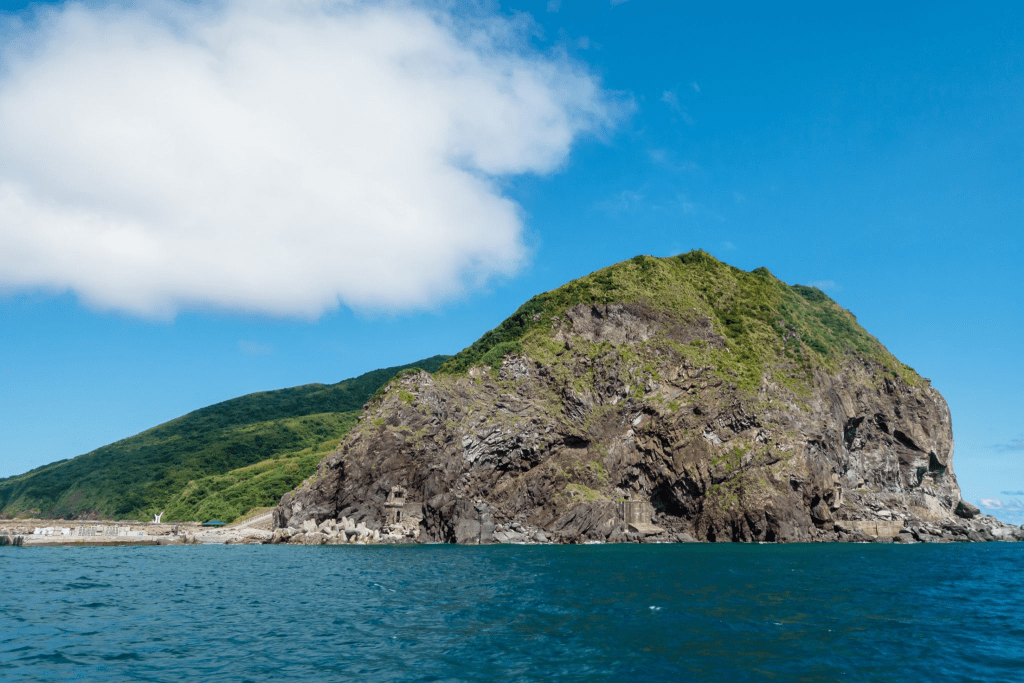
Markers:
<point>659,399</point>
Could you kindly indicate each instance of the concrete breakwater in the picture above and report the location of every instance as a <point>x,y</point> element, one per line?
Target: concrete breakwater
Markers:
<point>42,533</point>
<point>90,532</point>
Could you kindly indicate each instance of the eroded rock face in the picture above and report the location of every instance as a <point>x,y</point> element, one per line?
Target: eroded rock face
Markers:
<point>612,410</point>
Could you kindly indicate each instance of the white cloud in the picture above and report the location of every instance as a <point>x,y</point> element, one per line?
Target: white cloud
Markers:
<point>250,348</point>
<point>625,200</point>
<point>554,5</point>
<point>826,285</point>
<point>1014,504</point>
<point>1010,511</point>
<point>671,99</point>
<point>664,158</point>
<point>274,156</point>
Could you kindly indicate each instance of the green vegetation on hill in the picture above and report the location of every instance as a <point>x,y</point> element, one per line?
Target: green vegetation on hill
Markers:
<point>228,496</point>
<point>767,324</point>
<point>228,457</point>
<point>225,459</point>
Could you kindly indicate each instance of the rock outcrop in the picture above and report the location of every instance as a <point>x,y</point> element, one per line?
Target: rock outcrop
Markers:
<point>740,408</point>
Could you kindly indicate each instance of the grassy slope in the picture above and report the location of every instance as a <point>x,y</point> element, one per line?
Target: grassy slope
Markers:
<point>222,460</point>
<point>226,451</point>
<point>770,327</point>
<point>228,496</point>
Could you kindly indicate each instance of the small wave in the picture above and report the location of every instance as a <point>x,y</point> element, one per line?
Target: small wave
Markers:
<point>800,611</point>
<point>122,656</point>
<point>47,658</point>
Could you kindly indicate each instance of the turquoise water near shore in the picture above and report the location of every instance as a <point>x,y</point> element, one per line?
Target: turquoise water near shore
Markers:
<point>443,613</point>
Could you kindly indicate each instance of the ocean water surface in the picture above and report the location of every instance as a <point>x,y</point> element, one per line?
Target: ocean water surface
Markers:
<point>514,613</point>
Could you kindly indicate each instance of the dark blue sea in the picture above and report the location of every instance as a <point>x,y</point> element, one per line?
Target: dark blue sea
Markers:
<point>501,613</point>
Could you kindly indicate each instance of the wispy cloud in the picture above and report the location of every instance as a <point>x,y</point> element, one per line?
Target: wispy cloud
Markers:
<point>1013,445</point>
<point>254,348</point>
<point>1013,504</point>
<point>277,157</point>
<point>554,5</point>
<point>624,200</point>
<point>1011,510</point>
<point>618,2</point>
<point>690,206</point>
<point>671,99</point>
<point>665,159</point>
<point>826,285</point>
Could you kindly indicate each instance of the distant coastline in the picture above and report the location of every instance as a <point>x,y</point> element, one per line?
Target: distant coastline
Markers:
<point>255,530</point>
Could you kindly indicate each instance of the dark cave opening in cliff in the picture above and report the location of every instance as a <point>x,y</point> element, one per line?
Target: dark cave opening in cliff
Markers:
<point>664,499</point>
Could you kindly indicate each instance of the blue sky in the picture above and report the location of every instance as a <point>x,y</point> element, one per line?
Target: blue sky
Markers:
<point>875,151</point>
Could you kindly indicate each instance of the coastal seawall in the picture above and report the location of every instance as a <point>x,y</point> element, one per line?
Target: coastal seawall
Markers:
<point>50,533</point>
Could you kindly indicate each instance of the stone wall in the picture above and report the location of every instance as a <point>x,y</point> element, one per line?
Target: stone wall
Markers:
<point>635,511</point>
<point>882,528</point>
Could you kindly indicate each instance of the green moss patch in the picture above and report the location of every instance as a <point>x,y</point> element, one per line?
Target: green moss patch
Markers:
<point>770,328</point>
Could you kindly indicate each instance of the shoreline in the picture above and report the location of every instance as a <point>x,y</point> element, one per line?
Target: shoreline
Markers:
<point>254,530</point>
<point>256,537</point>
<point>36,533</point>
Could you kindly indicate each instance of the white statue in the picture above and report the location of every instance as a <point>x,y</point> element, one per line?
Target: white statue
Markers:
<point>156,518</point>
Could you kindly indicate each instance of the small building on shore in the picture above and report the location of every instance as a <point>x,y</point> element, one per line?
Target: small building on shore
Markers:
<point>638,516</point>
<point>394,506</point>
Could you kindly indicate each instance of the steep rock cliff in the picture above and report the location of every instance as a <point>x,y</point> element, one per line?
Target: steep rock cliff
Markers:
<point>739,407</point>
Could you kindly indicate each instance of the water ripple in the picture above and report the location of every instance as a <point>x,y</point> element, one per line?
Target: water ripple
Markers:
<point>439,613</point>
